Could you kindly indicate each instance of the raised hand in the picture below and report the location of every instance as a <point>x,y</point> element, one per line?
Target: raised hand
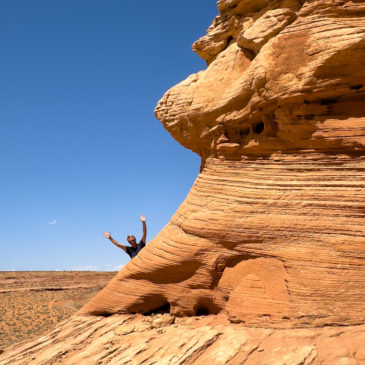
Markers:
<point>142,218</point>
<point>107,235</point>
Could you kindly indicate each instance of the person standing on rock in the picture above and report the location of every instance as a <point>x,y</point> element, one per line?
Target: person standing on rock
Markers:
<point>134,247</point>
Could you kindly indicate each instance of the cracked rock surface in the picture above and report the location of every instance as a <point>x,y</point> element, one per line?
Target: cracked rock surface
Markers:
<point>128,339</point>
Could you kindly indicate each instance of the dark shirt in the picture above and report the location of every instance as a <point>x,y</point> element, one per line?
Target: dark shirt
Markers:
<point>131,251</point>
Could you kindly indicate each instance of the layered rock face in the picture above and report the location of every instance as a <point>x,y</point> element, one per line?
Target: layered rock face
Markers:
<point>272,233</point>
<point>130,339</point>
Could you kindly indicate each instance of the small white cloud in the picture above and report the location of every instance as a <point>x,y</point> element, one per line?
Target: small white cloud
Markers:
<point>53,222</point>
<point>86,268</point>
<point>97,268</point>
<point>114,267</point>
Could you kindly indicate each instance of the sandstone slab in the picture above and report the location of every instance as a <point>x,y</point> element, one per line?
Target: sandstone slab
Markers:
<point>265,28</point>
<point>99,340</point>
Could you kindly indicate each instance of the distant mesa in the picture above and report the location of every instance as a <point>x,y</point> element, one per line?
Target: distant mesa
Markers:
<point>272,233</point>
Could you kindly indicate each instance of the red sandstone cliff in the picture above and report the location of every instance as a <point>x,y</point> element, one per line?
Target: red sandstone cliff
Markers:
<point>273,231</point>
<point>272,234</point>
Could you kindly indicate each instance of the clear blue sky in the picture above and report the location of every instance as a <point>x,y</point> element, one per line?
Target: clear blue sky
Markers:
<point>80,149</point>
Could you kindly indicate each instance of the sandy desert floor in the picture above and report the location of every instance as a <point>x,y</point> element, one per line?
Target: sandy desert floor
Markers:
<point>33,302</point>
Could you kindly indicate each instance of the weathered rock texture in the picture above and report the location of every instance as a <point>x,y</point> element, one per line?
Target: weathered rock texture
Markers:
<point>273,232</point>
<point>126,339</point>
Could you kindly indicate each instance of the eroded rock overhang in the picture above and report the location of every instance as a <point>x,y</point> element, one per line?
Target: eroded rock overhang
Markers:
<point>272,233</point>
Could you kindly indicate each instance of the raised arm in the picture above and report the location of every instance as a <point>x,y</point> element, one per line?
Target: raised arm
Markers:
<point>116,243</point>
<point>143,220</point>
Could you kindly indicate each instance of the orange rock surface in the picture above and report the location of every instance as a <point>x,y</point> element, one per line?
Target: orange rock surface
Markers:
<point>269,245</point>
<point>272,233</point>
<point>134,340</point>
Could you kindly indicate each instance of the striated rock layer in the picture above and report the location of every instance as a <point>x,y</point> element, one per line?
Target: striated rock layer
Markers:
<point>126,339</point>
<point>273,242</point>
<point>269,245</point>
<point>272,233</point>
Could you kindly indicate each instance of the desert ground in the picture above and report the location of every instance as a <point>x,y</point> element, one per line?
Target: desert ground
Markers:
<point>33,302</point>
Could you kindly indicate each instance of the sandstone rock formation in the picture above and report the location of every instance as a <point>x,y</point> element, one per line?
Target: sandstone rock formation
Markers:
<point>128,339</point>
<point>272,233</point>
<point>270,242</point>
